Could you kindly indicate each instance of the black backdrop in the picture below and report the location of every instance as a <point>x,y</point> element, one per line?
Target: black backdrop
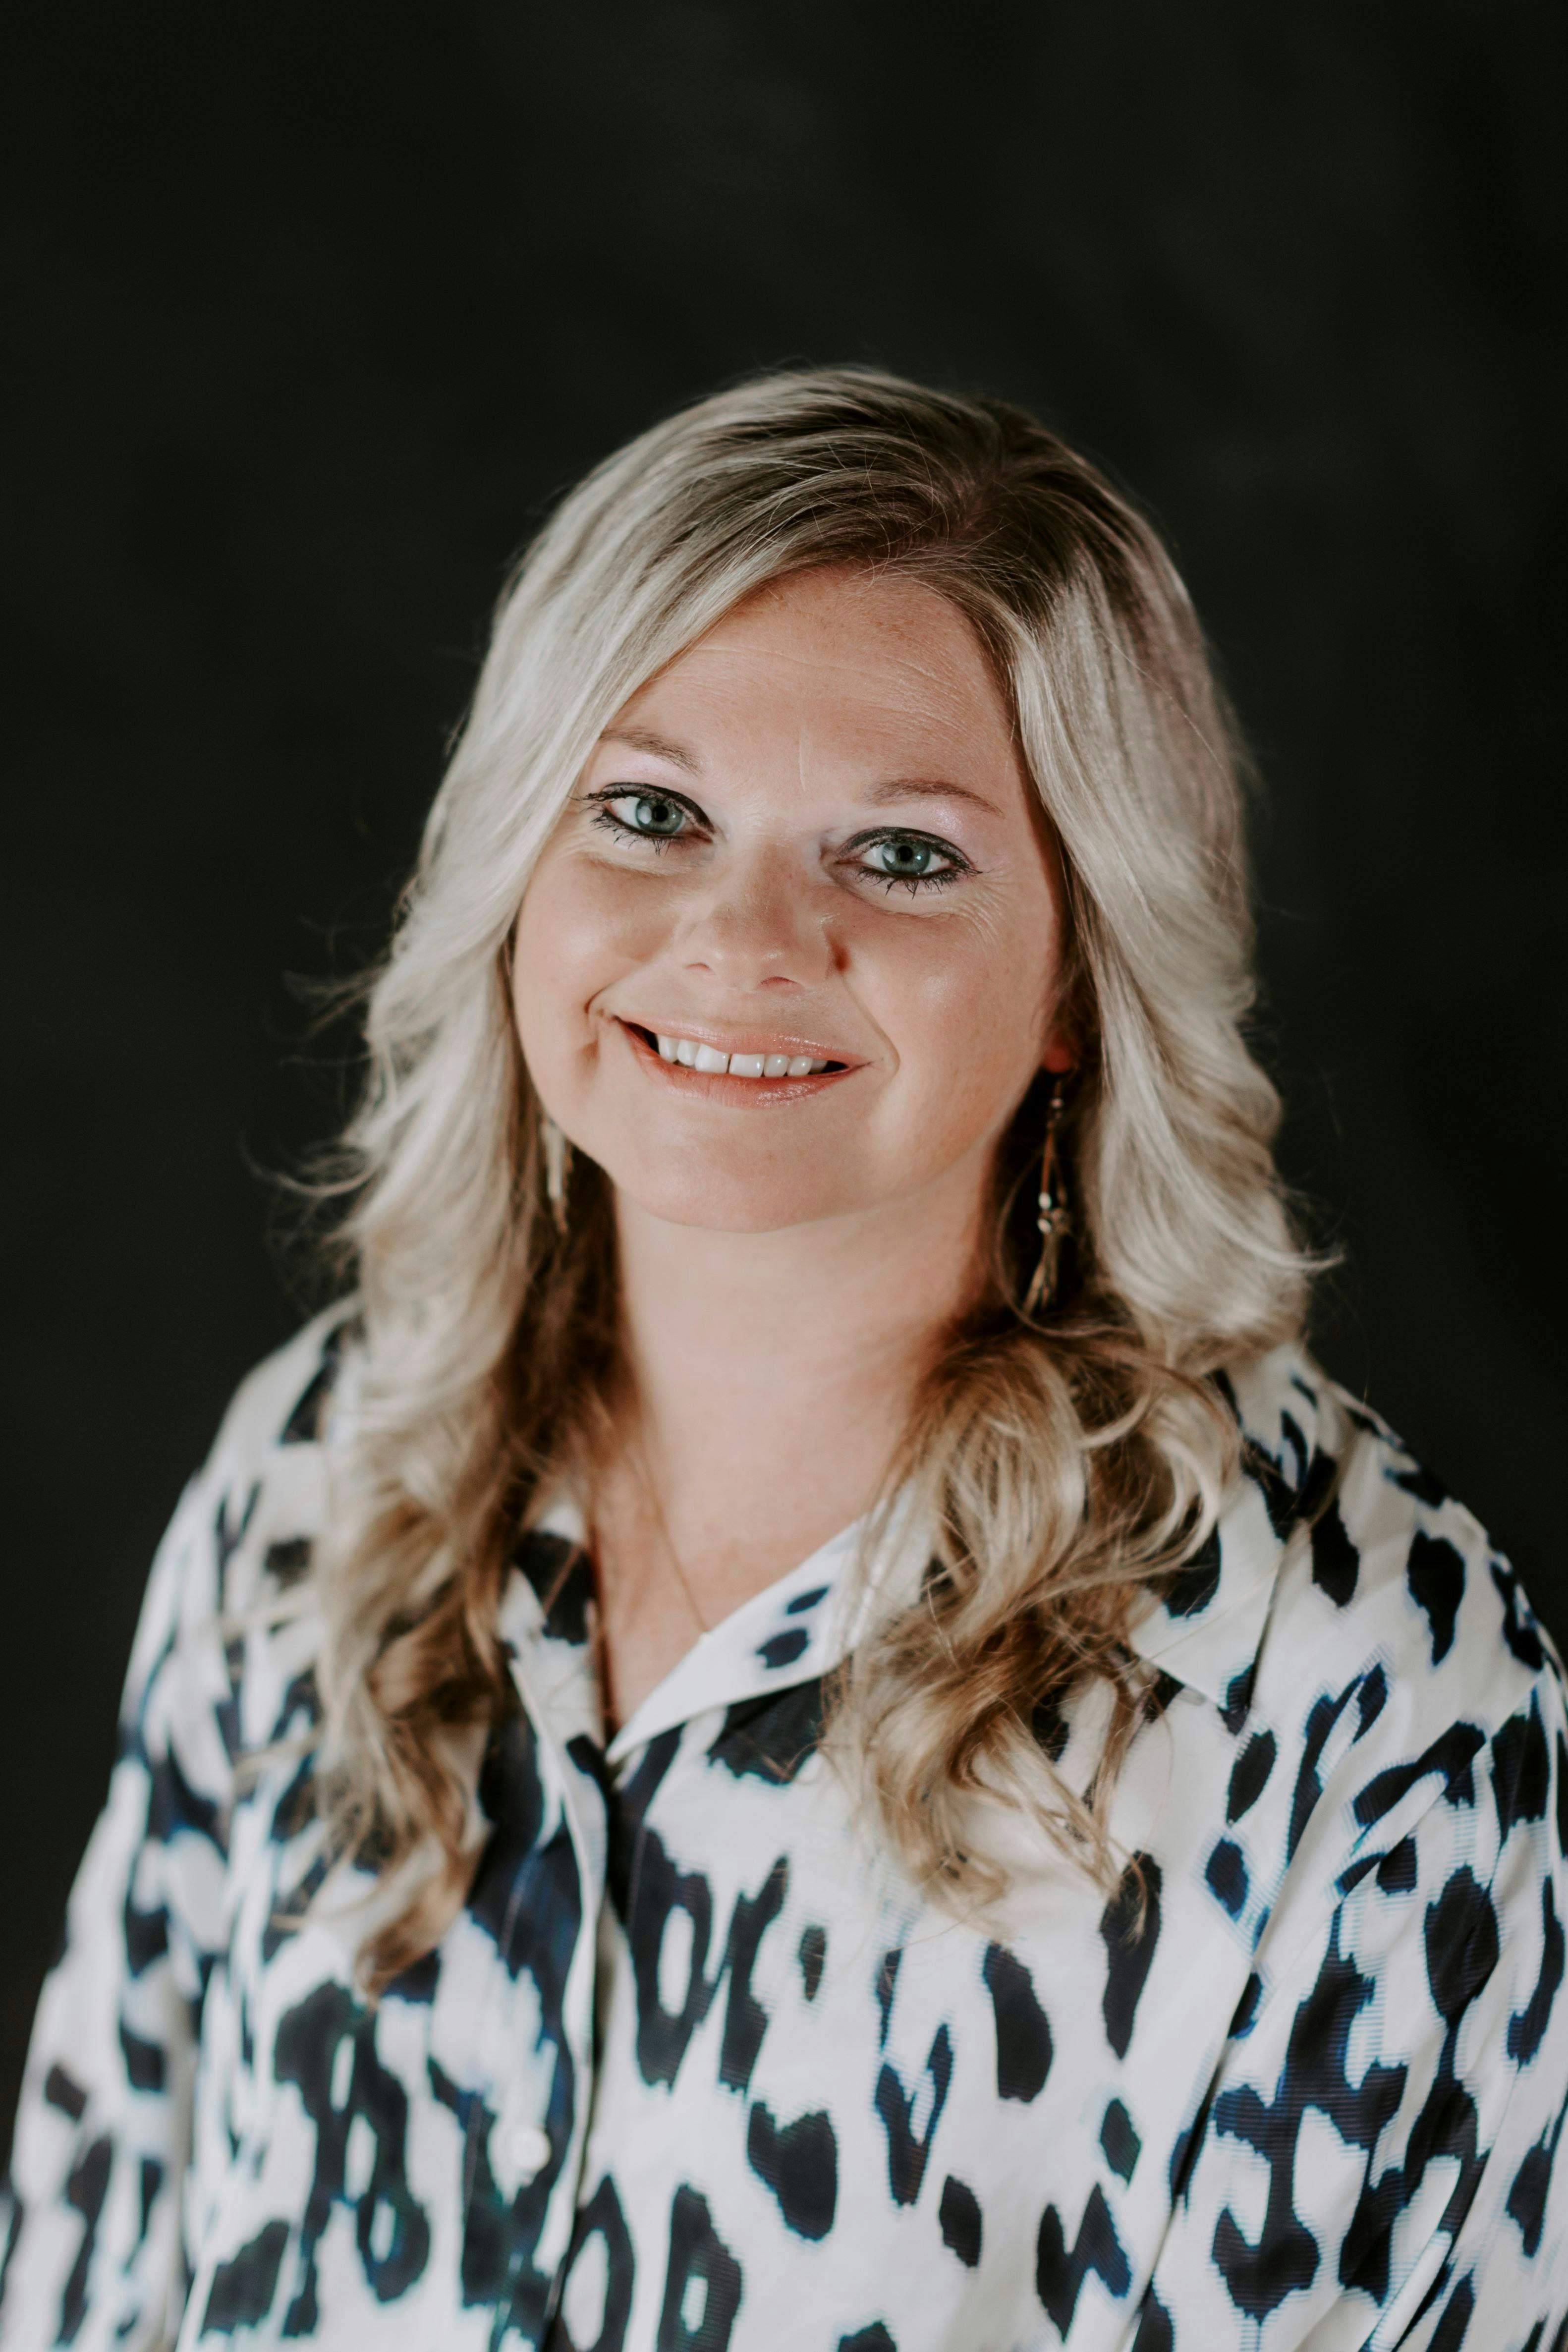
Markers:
<point>317,306</point>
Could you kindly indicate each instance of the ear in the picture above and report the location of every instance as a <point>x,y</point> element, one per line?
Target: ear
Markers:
<point>1059,1055</point>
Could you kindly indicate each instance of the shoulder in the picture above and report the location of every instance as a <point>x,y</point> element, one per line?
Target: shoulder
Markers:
<point>1377,1836</point>
<point>241,1538</point>
<point>1381,1571</point>
<point>1400,1677</point>
<point>267,1474</point>
<point>1337,1559</point>
<point>287,1399</point>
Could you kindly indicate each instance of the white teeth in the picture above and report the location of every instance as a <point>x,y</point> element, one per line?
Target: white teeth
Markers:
<point>708,1059</point>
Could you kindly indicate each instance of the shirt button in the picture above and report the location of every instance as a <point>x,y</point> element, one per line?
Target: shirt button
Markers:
<point>528,2147</point>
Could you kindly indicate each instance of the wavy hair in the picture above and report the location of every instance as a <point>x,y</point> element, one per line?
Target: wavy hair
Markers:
<point>1064,1461</point>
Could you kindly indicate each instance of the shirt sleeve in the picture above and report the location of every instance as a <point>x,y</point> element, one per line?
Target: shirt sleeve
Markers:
<point>1375,2167</point>
<point>91,2237</point>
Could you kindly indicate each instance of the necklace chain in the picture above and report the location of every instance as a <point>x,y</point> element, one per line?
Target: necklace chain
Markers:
<point>645,1477</point>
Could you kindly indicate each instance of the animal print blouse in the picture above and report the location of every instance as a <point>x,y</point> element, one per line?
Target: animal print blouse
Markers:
<point>695,2071</point>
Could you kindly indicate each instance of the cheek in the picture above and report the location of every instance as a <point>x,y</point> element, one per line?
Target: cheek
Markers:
<point>968,1012</point>
<point>580,926</point>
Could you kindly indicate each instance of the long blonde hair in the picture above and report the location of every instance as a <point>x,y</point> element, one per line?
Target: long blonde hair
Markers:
<point>1063,1462</point>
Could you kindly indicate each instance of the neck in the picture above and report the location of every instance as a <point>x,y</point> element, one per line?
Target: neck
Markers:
<point>767,1363</point>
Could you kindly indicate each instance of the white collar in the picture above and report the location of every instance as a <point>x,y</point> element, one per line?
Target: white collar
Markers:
<point>1206,1633</point>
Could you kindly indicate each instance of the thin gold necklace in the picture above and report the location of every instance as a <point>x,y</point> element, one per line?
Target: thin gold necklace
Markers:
<point>645,1479</point>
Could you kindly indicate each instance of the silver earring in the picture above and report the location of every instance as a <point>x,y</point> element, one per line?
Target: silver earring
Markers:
<point>1054,1222</point>
<point>557,1167</point>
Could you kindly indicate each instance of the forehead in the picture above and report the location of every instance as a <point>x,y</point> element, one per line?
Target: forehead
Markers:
<point>864,657</point>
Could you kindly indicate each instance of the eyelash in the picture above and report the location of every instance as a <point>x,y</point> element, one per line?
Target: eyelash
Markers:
<point>913,883</point>
<point>604,814</point>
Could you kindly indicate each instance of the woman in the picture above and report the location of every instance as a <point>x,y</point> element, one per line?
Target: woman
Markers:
<point>807,1726</point>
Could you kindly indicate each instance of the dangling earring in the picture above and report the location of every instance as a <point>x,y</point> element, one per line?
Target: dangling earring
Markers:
<point>557,1166</point>
<point>1054,1222</point>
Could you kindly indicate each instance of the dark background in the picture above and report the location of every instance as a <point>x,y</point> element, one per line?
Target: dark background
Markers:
<point>315,308</point>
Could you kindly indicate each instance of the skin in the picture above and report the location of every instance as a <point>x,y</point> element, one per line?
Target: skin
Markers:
<point>747,861</point>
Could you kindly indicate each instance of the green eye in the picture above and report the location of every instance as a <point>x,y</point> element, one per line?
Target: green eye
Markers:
<point>914,862</point>
<point>906,861</point>
<point>628,814</point>
<point>656,815</point>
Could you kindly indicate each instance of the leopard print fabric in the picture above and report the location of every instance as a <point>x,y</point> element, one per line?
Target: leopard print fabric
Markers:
<point>696,2069</point>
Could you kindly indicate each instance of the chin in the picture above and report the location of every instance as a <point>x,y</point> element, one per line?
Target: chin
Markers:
<point>738,1204</point>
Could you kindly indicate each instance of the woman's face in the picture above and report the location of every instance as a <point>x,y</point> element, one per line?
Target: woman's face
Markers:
<point>804,856</point>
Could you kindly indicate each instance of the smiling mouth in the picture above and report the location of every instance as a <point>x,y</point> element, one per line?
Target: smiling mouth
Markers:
<point>710,1061</point>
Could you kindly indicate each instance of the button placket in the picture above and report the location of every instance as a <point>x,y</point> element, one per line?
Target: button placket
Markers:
<point>526,2151</point>
<point>524,2142</point>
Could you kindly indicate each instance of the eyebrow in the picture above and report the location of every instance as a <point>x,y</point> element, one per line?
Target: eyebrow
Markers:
<point>663,746</point>
<point>892,788</point>
<point>929,788</point>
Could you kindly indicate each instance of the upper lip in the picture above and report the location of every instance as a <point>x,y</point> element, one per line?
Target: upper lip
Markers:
<point>738,1040</point>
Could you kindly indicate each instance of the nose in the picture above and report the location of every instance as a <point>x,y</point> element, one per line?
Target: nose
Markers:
<point>757,924</point>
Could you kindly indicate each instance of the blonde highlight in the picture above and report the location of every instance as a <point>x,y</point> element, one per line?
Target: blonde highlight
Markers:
<point>1065,1463</point>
